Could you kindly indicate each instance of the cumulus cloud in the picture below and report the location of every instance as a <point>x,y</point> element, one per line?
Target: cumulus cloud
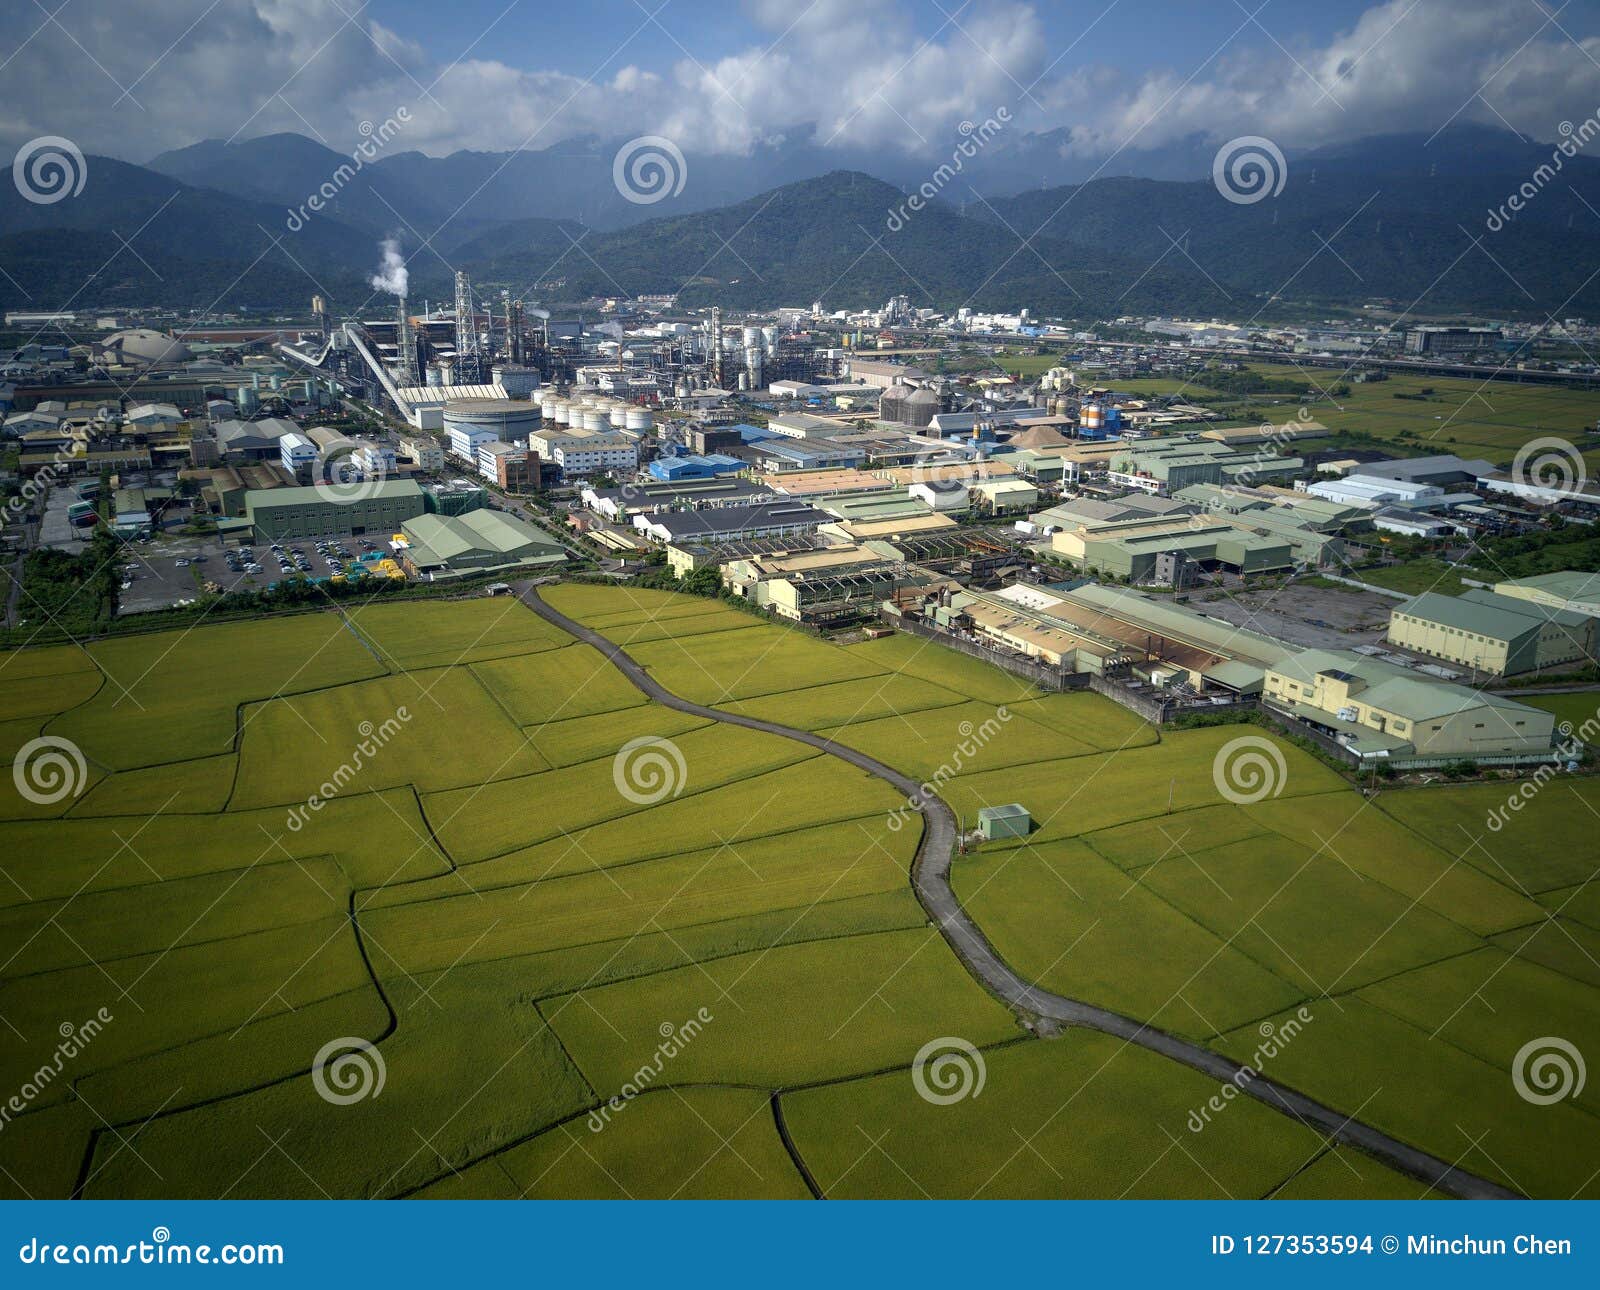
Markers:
<point>854,74</point>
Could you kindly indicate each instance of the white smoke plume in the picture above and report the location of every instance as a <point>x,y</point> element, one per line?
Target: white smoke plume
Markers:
<point>392,277</point>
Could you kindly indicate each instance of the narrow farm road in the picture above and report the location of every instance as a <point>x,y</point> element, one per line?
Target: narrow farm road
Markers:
<point>930,876</point>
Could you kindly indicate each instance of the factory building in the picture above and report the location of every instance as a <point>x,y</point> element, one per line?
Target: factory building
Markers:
<point>730,523</point>
<point>1168,465</point>
<point>774,455</point>
<point>586,452</point>
<point>1107,630</point>
<point>1378,712</point>
<point>482,541</point>
<point>253,440</point>
<point>1578,592</point>
<point>309,512</point>
<point>1130,548</point>
<point>503,464</point>
<point>699,467</point>
<point>298,455</point>
<point>1005,496</point>
<point>465,440</point>
<point>942,494</point>
<point>628,500</point>
<point>820,587</point>
<point>424,452</point>
<point>1496,634</point>
<point>1451,340</point>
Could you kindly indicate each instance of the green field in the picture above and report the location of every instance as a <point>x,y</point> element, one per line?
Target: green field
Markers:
<point>580,976</point>
<point>1465,415</point>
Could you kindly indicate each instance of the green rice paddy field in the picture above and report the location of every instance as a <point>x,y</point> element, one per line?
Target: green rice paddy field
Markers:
<point>369,905</point>
<point>1470,417</point>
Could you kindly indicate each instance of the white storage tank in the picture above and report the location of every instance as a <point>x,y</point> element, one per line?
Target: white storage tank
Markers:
<point>640,420</point>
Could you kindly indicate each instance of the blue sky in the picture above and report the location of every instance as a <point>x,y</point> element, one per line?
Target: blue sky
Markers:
<point>579,38</point>
<point>1102,78</point>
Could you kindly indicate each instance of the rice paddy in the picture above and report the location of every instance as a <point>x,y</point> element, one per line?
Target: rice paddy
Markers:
<point>554,974</point>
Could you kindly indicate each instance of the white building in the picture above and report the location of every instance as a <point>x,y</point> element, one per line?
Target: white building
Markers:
<point>374,460</point>
<point>298,454</point>
<point>585,454</point>
<point>493,452</point>
<point>1371,492</point>
<point>465,441</point>
<point>153,414</point>
<point>942,494</point>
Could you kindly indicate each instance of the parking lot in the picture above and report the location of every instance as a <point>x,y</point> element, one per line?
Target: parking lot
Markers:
<point>177,567</point>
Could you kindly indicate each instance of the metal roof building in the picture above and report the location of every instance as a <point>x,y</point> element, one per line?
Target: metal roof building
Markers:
<point>1499,635</point>
<point>451,546</point>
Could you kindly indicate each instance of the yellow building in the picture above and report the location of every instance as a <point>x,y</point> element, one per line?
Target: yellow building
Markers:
<point>1495,634</point>
<point>1376,710</point>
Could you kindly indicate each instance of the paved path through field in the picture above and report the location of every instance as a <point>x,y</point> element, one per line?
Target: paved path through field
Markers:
<point>930,877</point>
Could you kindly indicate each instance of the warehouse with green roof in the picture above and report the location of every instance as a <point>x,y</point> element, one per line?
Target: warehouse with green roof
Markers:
<point>1377,711</point>
<point>1494,634</point>
<point>483,541</point>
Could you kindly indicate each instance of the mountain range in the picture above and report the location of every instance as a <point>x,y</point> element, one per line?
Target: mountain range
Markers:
<point>1400,218</point>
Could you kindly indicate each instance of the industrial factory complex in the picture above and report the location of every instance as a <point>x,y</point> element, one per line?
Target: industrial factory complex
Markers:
<point>831,476</point>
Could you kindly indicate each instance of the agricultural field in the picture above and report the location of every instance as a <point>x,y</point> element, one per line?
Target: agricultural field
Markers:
<point>1471,417</point>
<point>427,900</point>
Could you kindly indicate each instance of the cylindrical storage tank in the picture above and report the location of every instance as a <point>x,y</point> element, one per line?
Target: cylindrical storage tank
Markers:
<point>1091,416</point>
<point>593,420</point>
<point>560,410</point>
<point>618,415</point>
<point>769,338</point>
<point>511,420</point>
<point>752,337</point>
<point>640,421</point>
<point>277,381</point>
<point>249,400</point>
<point>744,380</point>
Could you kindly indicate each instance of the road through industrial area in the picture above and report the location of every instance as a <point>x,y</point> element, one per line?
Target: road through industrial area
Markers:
<point>930,876</point>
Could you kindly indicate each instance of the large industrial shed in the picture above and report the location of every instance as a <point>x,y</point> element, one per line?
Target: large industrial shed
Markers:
<point>376,507</point>
<point>452,546</point>
<point>1498,635</point>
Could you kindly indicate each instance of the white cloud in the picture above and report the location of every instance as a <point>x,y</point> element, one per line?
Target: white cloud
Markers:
<point>855,71</point>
